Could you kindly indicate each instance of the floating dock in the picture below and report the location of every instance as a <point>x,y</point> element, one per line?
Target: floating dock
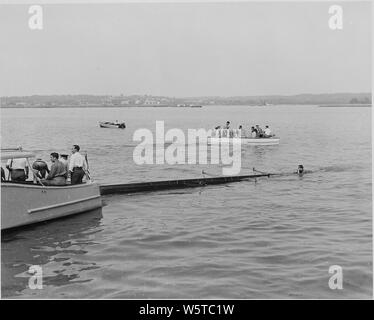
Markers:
<point>174,184</point>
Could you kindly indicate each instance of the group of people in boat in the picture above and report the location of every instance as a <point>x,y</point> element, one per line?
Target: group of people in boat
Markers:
<point>253,132</point>
<point>58,174</point>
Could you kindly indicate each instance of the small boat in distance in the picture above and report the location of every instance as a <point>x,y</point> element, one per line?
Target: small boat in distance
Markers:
<point>112,125</point>
<point>26,202</point>
<point>189,106</point>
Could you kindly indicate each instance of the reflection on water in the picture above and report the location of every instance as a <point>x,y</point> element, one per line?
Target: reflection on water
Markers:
<point>53,243</point>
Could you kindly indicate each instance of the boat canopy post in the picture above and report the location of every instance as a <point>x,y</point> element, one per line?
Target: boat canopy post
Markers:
<point>87,172</point>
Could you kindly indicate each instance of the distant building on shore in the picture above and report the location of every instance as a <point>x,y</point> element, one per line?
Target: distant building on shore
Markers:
<point>151,102</point>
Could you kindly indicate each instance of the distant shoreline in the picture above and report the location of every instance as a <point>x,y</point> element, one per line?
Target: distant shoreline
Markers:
<point>184,107</point>
<point>359,99</point>
<point>91,106</point>
<point>347,105</point>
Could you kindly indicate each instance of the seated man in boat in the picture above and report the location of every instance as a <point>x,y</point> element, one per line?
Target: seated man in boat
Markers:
<point>243,132</point>
<point>77,165</point>
<point>19,171</point>
<point>260,132</point>
<point>216,132</point>
<point>240,131</point>
<point>254,132</point>
<point>267,132</point>
<point>41,168</point>
<point>57,174</point>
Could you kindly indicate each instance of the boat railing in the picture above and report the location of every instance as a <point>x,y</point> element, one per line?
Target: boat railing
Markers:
<point>235,133</point>
<point>227,133</point>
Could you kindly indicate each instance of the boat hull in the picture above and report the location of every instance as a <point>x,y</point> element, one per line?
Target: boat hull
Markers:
<point>111,126</point>
<point>244,141</point>
<point>24,204</point>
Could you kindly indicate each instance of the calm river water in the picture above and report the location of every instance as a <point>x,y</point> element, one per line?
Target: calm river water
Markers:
<point>274,238</point>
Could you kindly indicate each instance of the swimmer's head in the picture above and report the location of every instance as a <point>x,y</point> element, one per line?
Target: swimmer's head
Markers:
<point>300,169</point>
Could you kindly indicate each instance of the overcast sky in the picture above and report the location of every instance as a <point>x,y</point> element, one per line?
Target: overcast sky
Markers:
<point>181,50</point>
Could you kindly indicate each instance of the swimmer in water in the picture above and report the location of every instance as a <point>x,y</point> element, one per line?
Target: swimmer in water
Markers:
<point>300,170</point>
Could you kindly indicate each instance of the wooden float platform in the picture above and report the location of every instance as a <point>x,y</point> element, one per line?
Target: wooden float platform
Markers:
<point>174,184</point>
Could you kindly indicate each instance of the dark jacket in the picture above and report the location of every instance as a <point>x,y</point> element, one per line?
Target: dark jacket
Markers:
<point>58,169</point>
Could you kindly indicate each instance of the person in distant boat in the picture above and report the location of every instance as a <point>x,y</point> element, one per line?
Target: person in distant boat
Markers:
<point>217,132</point>
<point>260,132</point>
<point>2,174</point>
<point>267,132</point>
<point>41,168</point>
<point>19,171</point>
<point>57,174</point>
<point>65,161</point>
<point>77,165</point>
<point>241,133</point>
<point>254,132</point>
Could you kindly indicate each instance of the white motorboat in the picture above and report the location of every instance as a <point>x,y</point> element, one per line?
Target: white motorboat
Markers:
<point>235,136</point>
<point>112,125</point>
<point>24,203</point>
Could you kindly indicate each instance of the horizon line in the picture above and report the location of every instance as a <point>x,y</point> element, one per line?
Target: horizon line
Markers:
<point>187,97</point>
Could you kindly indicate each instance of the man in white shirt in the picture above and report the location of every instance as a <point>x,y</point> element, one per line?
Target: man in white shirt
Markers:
<point>19,171</point>
<point>77,165</point>
<point>267,132</point>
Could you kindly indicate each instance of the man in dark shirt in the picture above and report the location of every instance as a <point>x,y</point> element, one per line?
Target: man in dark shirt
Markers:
<point>57,174</point>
